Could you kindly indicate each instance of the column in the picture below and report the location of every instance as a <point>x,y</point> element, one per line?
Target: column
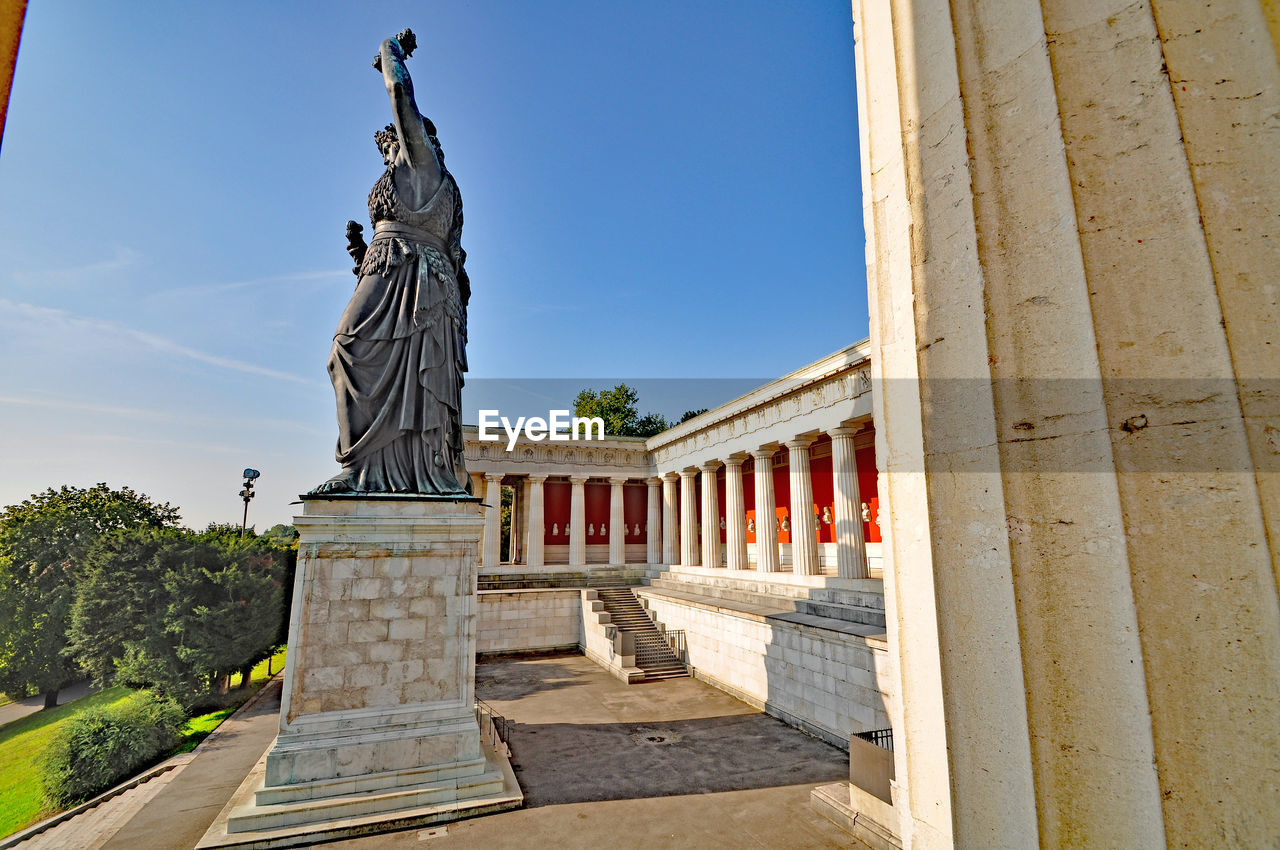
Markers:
<point>804,529</point>
<point>735,514</point>
<point>670,518</point>
<point>617,522</point>
<point>710,516</point>
<point>851,548</point>
<point>766,513</point>
<point>689,518</point>
<point>537,535</point>
<point>653,520</point>
<point>1050,506</point>
<point>520,524</point>
<point>578,521</point>
<point>492,520</point>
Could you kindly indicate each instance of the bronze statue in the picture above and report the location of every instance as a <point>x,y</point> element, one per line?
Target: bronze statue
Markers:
<point>399,353</point>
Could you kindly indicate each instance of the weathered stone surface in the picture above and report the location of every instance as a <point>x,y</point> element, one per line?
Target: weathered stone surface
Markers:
<point>1067,221</point>
<point>379,689</point>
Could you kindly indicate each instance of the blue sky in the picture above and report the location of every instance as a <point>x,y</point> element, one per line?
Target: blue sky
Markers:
<point>652,190</point>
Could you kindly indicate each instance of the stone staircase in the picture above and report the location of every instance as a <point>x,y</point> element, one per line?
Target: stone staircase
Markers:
<point>580,577</point>
<point>855,606</point>
<point>653,655</point>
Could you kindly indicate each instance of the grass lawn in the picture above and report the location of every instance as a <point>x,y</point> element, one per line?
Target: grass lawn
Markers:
<point>199,727</point>
<point>21,743</point>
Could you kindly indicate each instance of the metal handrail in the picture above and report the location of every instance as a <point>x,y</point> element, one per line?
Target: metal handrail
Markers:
<point>880,737</point>
<point>676,641</point>
<point>498,727</point>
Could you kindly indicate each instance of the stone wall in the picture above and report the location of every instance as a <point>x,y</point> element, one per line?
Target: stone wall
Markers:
<point>823,681</point>
<point>528,620</point>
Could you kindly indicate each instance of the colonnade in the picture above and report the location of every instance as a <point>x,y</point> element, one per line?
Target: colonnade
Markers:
<point>704,550</point>
<point>673,535</point>
<point>535,535</point>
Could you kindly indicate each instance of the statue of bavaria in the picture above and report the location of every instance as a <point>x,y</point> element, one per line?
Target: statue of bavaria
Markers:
<point>399,352</point>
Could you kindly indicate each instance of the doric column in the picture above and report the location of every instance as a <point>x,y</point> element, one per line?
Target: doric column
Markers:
<point>689,518</point>
<point>578,521</point>
<point>851,548</point>
<point>533,551</point>
<point>670,518</point>
<point>492,520</point>
<point>617,522</point>
<point>653,520</point>
<point>804,530</point>
<point>735,513</point>
<point>710,515</point>
<point>766,513</point>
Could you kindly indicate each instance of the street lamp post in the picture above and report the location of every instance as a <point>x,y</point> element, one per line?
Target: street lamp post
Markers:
<point>250,475</point>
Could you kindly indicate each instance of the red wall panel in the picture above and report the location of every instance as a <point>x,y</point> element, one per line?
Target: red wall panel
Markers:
<point>867,489</point>
<point>597,503</point>
<point>635,507</point>
<point>556,500</point>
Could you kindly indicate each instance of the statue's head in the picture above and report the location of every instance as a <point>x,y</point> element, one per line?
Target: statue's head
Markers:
<point>388,143</point>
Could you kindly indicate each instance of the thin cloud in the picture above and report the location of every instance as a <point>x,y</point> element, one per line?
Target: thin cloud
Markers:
<point>124,258</point>
<point>294,277</point>
<point>156,415</point>
<point>60,321</point>
<point>206,448</point>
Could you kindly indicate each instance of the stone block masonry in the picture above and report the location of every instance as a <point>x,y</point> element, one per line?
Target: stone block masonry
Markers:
<point>377,716</point>
<point>528,620</point>
<point>820,679</point>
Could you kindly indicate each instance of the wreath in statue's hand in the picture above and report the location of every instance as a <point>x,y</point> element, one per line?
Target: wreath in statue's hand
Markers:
<point>405,41</point>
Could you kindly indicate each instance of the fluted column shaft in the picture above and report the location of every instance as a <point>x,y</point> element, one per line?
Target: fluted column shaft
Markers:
<point>804,529</point>
<point>578,522</point>
<point>689,518</point>
<point>652,522</point>
<point>735,513</point>
<point>617,522</point>
<point>851,548</point>
<point>537,534</point>
<point>492,552</point>
<point>670,518</point>
<point>710,516</point>
<point>766,513</point>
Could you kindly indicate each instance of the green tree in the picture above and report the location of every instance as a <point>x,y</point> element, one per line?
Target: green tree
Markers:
<point>177,611</point>
<point>689,414</point>
<point>618,408</point>
<point>43,542</point>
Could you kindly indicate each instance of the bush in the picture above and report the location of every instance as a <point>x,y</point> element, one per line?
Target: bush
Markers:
<point>102,746</point>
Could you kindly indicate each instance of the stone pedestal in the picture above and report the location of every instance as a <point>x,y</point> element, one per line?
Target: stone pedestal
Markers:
<point>377,718</point>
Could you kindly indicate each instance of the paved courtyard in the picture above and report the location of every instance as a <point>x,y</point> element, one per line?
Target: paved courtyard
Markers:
<point>674,763</point>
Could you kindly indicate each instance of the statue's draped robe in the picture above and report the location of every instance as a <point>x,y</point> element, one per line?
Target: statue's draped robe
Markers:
<point>399,355</point>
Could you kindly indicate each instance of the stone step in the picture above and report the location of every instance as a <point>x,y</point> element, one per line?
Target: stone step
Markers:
<point>341,786</point>
<point>872,615</point>
<point>867,598</point>
<point>848,613</point>
<point>665,674</point>
<point>360,804</point>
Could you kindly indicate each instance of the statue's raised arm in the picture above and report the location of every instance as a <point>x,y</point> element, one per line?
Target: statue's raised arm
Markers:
<point>415,148</point>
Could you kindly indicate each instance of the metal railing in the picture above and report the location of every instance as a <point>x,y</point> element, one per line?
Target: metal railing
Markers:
<point>879,737</point>
<point>494,728</point>
<point>675,640</point>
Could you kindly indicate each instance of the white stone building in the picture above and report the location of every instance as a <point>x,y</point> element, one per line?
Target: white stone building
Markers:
<point>784,608</point>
